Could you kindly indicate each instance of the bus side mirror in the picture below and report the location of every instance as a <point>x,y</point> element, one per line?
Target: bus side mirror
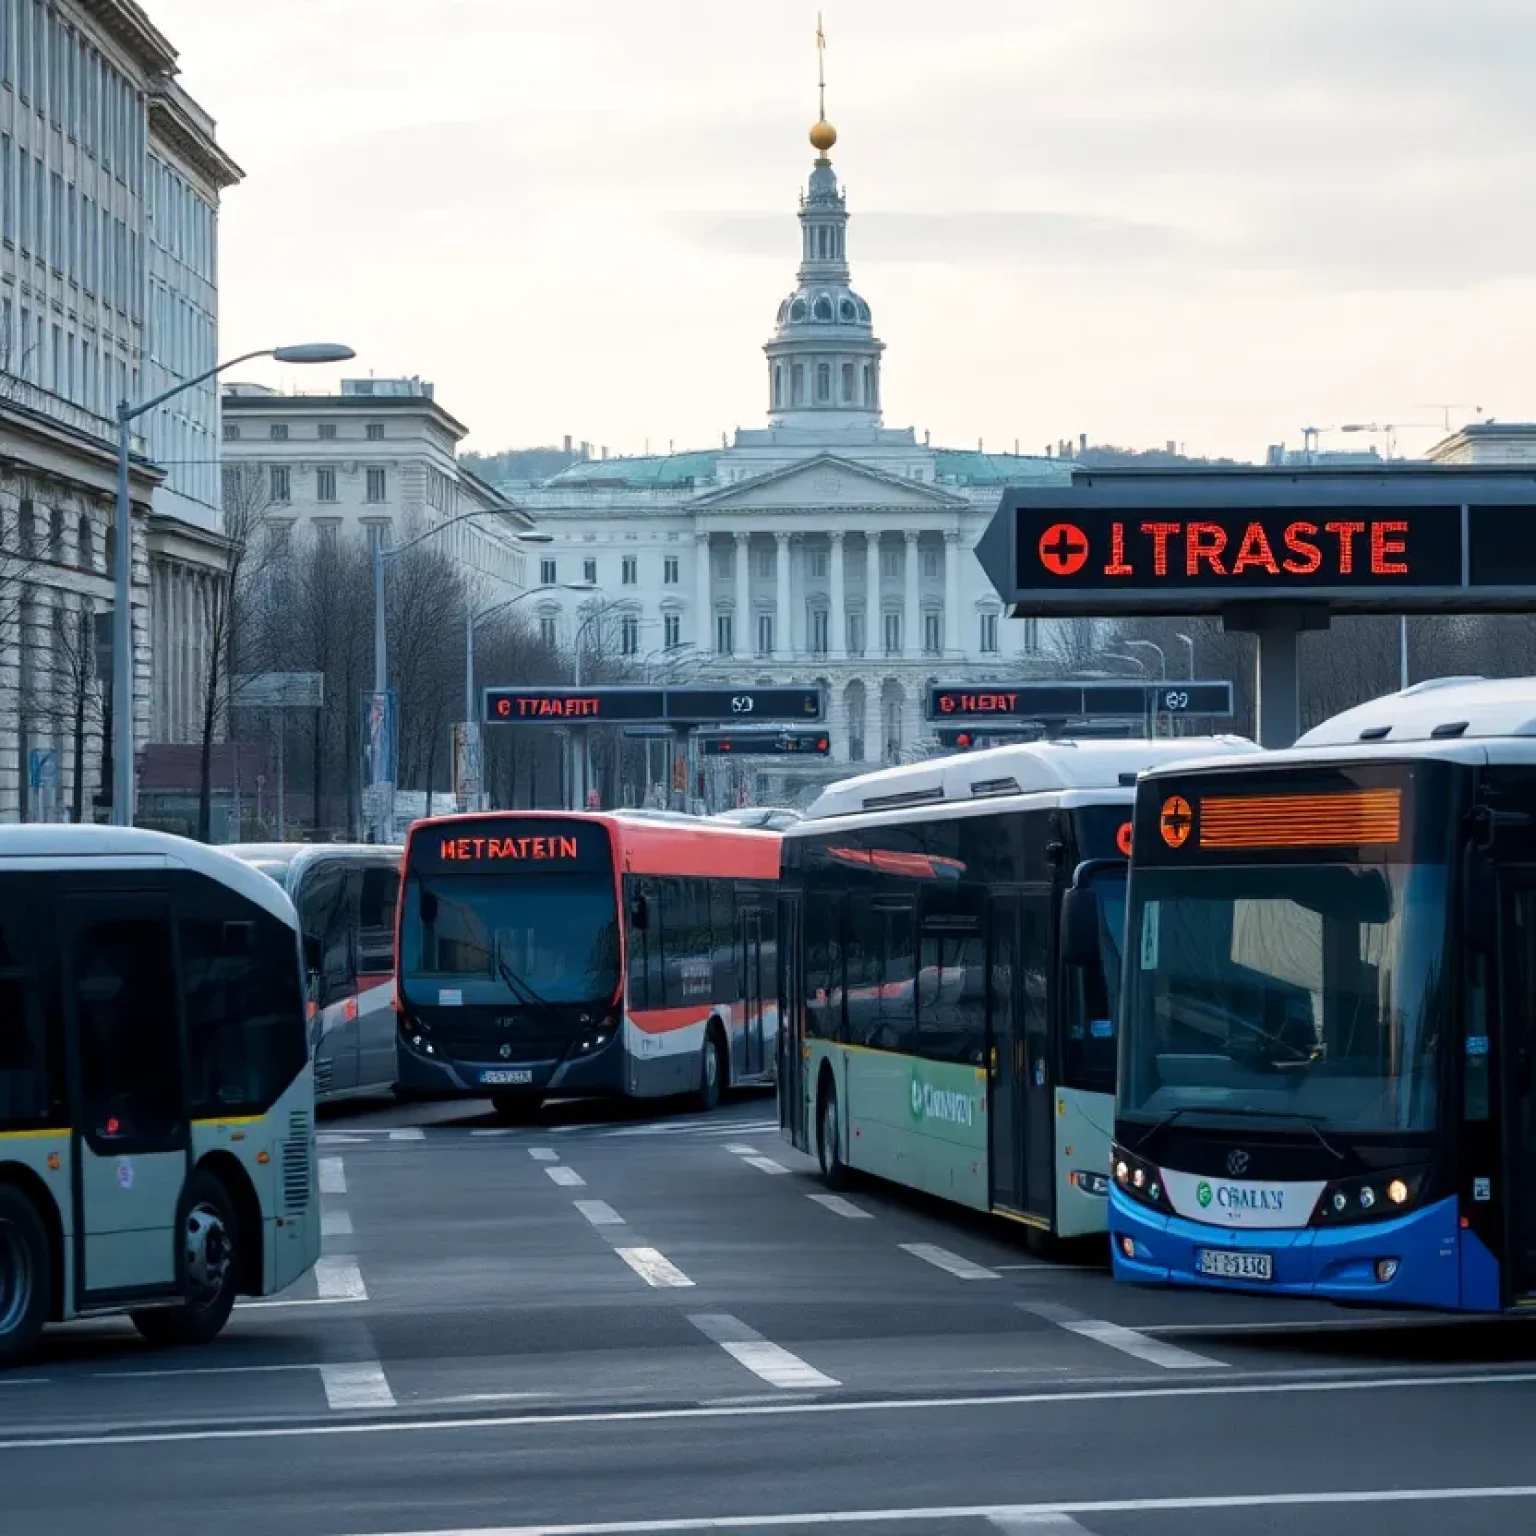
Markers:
<point>1080,927</point>
<point>639,914</point>
<point>313,954</point>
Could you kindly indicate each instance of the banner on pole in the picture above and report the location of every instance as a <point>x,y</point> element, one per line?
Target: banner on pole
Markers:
<point>467,772</point>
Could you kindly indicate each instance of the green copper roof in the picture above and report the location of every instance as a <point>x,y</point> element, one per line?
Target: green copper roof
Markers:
<point>960,466</point>
<point>652,472</point>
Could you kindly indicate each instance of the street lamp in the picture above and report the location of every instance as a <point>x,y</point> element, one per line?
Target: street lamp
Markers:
<point>1154,646</point>
<point>472,618</point>
<point>1190,642</point>
<point>122,588</point>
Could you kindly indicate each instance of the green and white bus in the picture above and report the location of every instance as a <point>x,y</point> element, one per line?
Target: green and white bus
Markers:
<point>157,1142</point>
<point>934,1030</point>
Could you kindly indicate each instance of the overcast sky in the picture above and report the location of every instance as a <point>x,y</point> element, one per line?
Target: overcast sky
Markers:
<point>1214,221</point>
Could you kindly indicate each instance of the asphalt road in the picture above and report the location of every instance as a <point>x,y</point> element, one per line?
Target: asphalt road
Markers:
<point>637,1321</point>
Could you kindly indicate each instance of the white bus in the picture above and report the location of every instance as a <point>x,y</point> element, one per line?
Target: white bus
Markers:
<point>157,1146</point>
<point>939,1030</point>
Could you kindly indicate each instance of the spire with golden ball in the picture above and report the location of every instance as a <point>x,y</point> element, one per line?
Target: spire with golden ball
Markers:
<point>823,134</point>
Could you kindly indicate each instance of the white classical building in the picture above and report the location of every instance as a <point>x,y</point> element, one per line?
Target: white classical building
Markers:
<point>824,547</point>
<point>110,178</point>
<point>379,461</point>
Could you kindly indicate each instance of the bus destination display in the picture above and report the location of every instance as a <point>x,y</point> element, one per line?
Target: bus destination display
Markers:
<point>949,703</point>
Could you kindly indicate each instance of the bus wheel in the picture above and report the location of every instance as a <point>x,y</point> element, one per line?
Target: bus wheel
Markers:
<point>711,1071</point>
<point>209,1231</point>
<point>24,1279</point>
<point>516,1108</point>
<point>829,1138</point>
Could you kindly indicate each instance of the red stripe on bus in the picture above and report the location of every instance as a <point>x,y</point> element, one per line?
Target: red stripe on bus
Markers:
<point>658,1021</point>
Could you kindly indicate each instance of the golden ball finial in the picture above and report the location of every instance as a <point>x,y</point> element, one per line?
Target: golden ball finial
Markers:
<point>823,136</point>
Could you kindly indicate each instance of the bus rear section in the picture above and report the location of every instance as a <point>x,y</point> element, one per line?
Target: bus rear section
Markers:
<point>509,960</point>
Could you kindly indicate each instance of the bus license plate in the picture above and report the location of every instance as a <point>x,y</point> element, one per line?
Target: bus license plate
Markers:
<point>1227,1265</point>
<point>501,1075</point>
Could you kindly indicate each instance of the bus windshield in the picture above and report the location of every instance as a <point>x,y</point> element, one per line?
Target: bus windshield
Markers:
<point>1312,990</point>
<point>548,938</point>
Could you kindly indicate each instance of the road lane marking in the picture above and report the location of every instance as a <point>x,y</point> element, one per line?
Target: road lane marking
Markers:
<point>567,1178</point>
<point>544,1154</point>
<point>653,1267</point>
<point>298,1301</point>
<point>1054,1269</point>
<point>842,1207</point>
<point>779,1408</point>
<point>944,1259</point>
<point>775,1364</point>
<point>27,1381</point>
<point>333,1177</point>
<point>339,1280</point>
<point>338,1139</point>
<point>1306,1325</point>
<point>412,1133</point>
<point>1014,1517</point>
<point>741,1150</point>
<point>600,1213</point>
<point>767,1164</point>
<point>500,1130</point>
<point>357,1384</point>
<point>203,1370</point>
<point>1127,1340</point>
<point>335,1224</point>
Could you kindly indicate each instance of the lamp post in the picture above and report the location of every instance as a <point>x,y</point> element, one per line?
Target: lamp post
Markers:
<point>1189,640</point>
<point>1152,645</point>
<point>122,582</point>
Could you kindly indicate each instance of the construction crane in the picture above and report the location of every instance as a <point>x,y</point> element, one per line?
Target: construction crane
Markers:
<point>1389,429</point>
<point>1309,436</point>
<point>1445,407</point>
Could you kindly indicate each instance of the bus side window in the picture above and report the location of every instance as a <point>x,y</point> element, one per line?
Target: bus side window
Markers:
<point>722,930</point>
<point>379,894</point>
<point>951,996</point>
<point>329,908</point>
<point>897,1011</point>
<point>31,1079</point>
<point>640,940</point>
<point>824,964</point>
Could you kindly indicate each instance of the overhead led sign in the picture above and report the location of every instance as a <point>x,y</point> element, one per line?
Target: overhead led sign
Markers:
<point>1401,540</point>
<point>997,704</point>
<point>696,705</point>
<point>765,744</point>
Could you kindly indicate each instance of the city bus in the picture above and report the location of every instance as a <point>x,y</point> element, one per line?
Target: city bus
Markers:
<point>345,894</point>
<point>548,954</point>
<point>1328,1032</point>
<point>938,1031</point>
<point>157,1147</point>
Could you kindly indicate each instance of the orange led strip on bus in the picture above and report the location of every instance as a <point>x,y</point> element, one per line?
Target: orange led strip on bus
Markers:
<point>1346,819</point>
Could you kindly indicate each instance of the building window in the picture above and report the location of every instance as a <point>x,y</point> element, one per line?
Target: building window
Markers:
<point>762,562</point>
<point>890,712</point>
<point>892,622</point>
<point>1031,636</point>
<point>989,634</point>
<point>855,634</point>
<point>629,634</point>
<point>231,431</point>
<point>848,383</point>
<point>725,638</point>
<point>823,383</point>
<point>765,634</point>
<point>378,485</point>
<point>933,633</point>
<point>931,567</point>
<point>778,373</point>
<point>375,431</point>
<point>723,562</point>
<point>279,483</point>
<point>672,630</point>
<point>327,533</point>
<point>327,431</point>
<point>325,485</point>
<point>797,384</point>
<point>589,571</point>
<point>85,545</point>
<point>549,630</point>
<point>278,432</point>
<point>817,561</point>
<point>546,572</point>
<point>378,536</point>
<point>629,572</point>
<point>818,631</point>
<point>890,563</point>
<point>669,571</point>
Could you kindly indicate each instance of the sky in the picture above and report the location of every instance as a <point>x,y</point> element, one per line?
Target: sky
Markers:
<point>1212,222</point>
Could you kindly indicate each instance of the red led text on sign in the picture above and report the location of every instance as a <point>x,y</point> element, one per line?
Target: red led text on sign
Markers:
<point>540,707</point>
<point>473,850</point>
<point>1340,547</point>
<point>978,703</point>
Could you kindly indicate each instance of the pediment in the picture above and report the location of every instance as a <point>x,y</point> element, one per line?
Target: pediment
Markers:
<point>827,481</point>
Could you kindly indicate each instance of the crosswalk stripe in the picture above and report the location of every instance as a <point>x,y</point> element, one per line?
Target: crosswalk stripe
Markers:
<point>944,1259</point>
<point>544,1154</point>
<point>335,1224</point>
<point>333,1177</point>
<point>360,1384</point>
<point>600,1213</point>
<point>766,1164</point>
<point>842,1207</point>
<point>1038,1520</point>
<point>653,1267</point>
<point>775,1364</point>
<point>411,1133</point>
<point>339,1280</point>
<point>566,1177</point>
<point>1126,1340</point>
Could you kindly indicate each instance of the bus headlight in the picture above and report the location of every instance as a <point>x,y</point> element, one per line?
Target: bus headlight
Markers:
<point>1136,1178</point>
<point>1367,1198</point>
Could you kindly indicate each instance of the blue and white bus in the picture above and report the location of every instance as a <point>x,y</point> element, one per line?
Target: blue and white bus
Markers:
<point>1327,1076</point>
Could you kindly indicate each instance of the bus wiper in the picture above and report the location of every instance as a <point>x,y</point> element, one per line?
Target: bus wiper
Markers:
<point>1309,1121</point>
<point>519,987</point>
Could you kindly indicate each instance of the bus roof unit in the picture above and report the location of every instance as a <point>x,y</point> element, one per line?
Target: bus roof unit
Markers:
<point>1021,768</point>
<point>1442,709</point>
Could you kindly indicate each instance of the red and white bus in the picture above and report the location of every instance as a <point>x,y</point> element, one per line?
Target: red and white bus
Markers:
<point>546,954</point>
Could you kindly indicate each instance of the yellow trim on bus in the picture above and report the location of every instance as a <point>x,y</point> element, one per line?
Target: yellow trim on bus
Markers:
<point>34,1135</point>
<point>1037,1222</point>
<point>232,1120</point>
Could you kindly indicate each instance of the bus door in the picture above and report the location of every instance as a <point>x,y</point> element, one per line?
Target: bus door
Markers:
<point>791,1019</point>
<point>1018,1053</point>
<point>1003,1042</point>
<point>749,944</point>
<point>1518,1019</point>
<point>1032,989</point>
<point>329,908</point>
<point>131,1134</point>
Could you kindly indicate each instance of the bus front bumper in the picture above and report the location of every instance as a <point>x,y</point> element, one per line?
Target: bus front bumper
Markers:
<point>1407,1261</point>
<point>600,1072</point>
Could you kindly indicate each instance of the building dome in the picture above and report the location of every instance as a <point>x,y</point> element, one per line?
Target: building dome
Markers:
<point>823,136</point>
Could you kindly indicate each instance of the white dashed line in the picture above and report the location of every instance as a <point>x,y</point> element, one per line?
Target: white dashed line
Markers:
<point>1038,1520</point>
<point>740,1150</point>
<point>775,1364</point>
<point>333,1177</point>
<point>766,1164</point>
<point>567,1178</point>
<point>544,1154</point>
<point>360,1384</point>
<point>944,1259</point>
<point>339,1280</point>
<point>412,1133</point>
<point>842,1207</point>
<point>335,1224</point>
<point>600,1213</point>
<point>653,1267</point>
<point>500,1130</point>
<point>1127,1340</point>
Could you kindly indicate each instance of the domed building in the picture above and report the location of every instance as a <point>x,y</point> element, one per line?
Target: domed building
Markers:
<point>824,547</point>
